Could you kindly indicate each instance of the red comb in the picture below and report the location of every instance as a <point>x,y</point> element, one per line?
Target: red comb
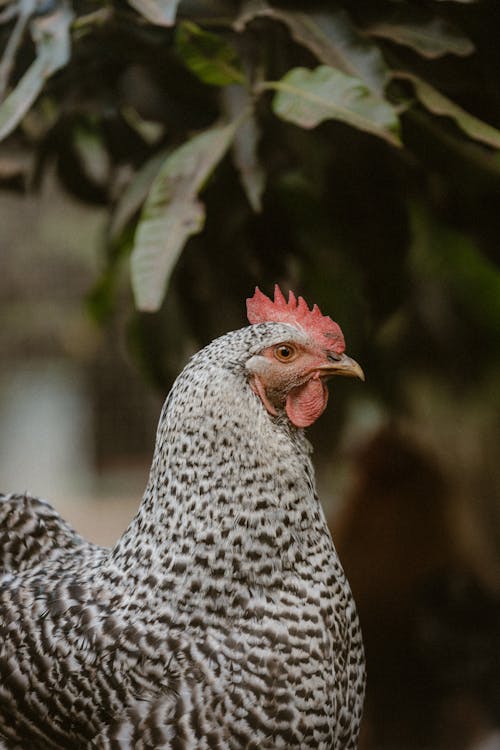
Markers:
<point>261,309</point>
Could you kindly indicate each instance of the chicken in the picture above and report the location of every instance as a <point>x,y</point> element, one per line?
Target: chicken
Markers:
<point>32,533</point>
<point>222,617</point>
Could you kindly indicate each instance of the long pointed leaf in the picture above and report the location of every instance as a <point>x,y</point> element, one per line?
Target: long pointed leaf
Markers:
<point>172,212</point>
<point>427,34</point>
<point>438,104</point>
<point>51,35</point>
<point>135,194</point>
<point>237,100</point>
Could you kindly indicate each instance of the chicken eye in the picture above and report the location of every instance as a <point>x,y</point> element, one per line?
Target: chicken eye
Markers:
<point>285,352</point>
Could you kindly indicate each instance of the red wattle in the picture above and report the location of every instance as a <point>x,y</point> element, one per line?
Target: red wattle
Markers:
<point>307,402</point>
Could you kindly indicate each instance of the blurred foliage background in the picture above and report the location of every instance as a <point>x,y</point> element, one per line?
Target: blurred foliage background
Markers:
<point>158,160</point>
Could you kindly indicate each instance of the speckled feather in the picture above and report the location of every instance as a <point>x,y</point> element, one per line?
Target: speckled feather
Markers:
<point>33,533</point>
<point>221,618</point>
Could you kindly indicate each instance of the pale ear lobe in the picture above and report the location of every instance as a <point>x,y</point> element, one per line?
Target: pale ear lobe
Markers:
<point>257,364</point>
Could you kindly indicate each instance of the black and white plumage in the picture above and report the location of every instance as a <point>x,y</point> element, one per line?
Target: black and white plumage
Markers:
<point>32,533</point>
<point>220,619</point>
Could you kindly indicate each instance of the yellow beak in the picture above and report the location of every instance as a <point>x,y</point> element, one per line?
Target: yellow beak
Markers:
<point>341,364</point>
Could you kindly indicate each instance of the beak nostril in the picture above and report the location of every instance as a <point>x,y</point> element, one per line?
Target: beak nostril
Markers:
<point>333,357</point>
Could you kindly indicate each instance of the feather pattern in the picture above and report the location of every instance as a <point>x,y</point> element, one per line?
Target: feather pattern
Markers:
<point>220,619</point>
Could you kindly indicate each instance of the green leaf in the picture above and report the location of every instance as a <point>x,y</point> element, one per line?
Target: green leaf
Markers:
<point>208,56</point>
<point>332,38</point>
<point>159,12</point>
<point>237,100</point>
<point>429,35</point>
<point>438,104</point>
<point>307,97</point>
<point>51,35</point>
<point>172,212</point>
<point>134,195</point>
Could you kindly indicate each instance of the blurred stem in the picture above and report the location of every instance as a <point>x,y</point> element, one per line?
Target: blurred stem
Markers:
<point>96,18</point>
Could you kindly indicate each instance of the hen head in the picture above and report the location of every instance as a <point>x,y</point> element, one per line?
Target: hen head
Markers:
<point>292,374</point>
